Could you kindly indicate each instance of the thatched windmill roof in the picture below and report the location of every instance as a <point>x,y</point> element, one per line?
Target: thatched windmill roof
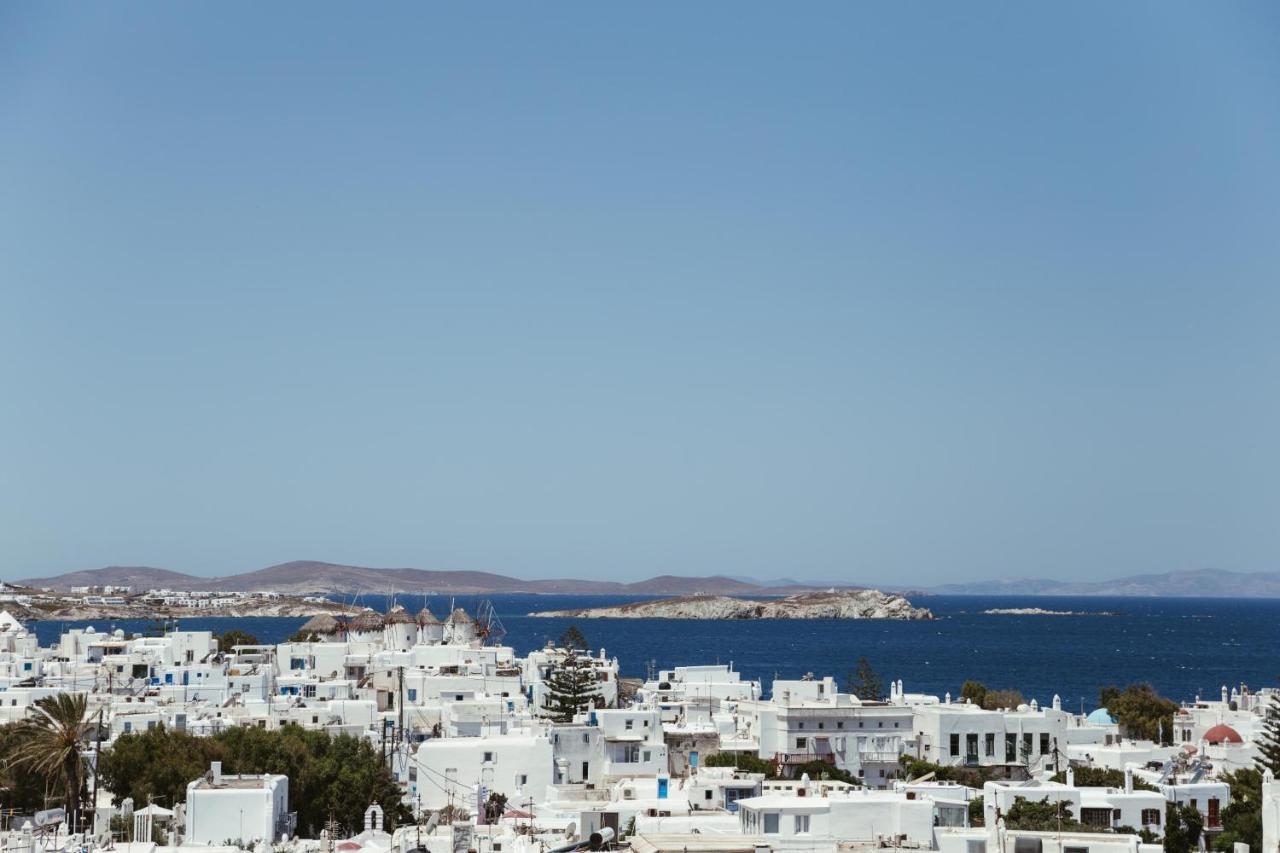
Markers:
<point>322,623</point>
<point>366,620</point>
<point>398,616</point>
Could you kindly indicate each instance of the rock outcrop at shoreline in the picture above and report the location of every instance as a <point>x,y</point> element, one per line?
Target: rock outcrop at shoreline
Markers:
<point>842,604</point>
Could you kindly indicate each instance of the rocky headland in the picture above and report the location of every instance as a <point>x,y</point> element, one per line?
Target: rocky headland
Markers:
<point>841,604</point>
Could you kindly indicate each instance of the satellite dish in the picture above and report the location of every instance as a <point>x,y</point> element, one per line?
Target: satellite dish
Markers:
<point>571,831</point>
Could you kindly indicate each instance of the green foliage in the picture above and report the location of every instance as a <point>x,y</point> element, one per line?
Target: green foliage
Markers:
<point>301,636</point>
<point>1269,740</point>
<point>22,787</point>
<point>1102,777</point>
<point>494,807</point>
<point>971,777</point>
<point>1140,711</point>
<point>819,769</point>
<point>572,638</point>
<point>49,742</point>
<point>158,762</point>
<point>1182,828</point>
<point>1147,836</point>
<point>990,699</point>
<point>865,683</point>
<point>327,775</point>
<point>744,761</point>
<point>1043,816</point>
<point>977,817</point>
<point>997,699</point>
<point>974,692</point>
<point>234,637</point>
<point>1242,819</point>
<point>571,688</point>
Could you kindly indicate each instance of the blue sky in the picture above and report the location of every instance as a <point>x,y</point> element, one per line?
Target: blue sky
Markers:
<point>848,291</point>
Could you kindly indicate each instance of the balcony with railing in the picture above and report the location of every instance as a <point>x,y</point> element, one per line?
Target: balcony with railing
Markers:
<point>794,758</point>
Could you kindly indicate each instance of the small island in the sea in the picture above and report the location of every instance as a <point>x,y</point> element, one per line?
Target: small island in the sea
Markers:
<point>1040,611</point>
<point>833,604</point>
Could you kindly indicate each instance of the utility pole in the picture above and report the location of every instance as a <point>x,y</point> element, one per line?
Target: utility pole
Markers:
<point>400,670</point>
<point>97,765</point>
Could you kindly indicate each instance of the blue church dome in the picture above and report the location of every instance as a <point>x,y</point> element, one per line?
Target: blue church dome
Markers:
<point>1101,717</point>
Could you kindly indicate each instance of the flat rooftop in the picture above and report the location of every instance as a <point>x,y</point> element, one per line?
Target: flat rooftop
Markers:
<point>233,783</point>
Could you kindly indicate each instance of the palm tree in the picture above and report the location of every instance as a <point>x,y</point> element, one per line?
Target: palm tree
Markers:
<point>50,741</point>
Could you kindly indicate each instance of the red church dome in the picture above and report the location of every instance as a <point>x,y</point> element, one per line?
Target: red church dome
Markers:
<point>1222,733</point>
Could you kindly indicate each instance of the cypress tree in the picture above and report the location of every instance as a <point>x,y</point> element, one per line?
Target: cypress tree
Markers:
<point>571,688</point>
<point>1269,740</point>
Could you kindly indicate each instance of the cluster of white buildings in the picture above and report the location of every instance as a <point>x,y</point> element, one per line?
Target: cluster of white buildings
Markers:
<point>459,718</point>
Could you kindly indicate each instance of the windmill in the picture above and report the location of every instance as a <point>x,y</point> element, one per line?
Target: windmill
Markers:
<point>490,626</point>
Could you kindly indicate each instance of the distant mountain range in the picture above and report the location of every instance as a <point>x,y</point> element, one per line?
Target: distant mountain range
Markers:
<point>1206,583</point>
<point>309,576</point>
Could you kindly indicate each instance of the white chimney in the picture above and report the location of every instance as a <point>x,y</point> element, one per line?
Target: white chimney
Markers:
<point>1128,779</point>
<point>215,770</point>
<point>1071,777</point>
<point>1057,702</point>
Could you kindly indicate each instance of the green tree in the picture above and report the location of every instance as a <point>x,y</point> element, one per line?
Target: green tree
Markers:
<point>495,807</point>
<point>1269,740</point>
<point>1041,816</point>
<point>328,775</point>
<point>1101,777</point>
<point>234,637</point>
<point>21,787</point>
<point>970,777</point>
<point>571,688</point>
<point>974,691</point>
<point>743,761</point>
<point>994,700</point>
<point>819,769</point>
<point>156,762</point>
<point>1147,836</point>
<point>1182,828</point>
<point>50,740</point>
<point>988,698</point>
<point>572,638</point>
<point>1140,711</point>
<point>1242,818</point>
<point>977,813</point>
<point>865,683</point>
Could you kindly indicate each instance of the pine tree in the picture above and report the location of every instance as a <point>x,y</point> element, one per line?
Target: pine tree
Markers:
<point>865,682</point>
<point>1269,740</point>
<point>571,688</point>
<point>573,638</point>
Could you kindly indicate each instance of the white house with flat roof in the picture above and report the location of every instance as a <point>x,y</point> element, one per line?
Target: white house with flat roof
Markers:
<point>237,809</point>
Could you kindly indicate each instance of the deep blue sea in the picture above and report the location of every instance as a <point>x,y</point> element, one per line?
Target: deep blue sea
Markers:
<point>1182,646</point>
